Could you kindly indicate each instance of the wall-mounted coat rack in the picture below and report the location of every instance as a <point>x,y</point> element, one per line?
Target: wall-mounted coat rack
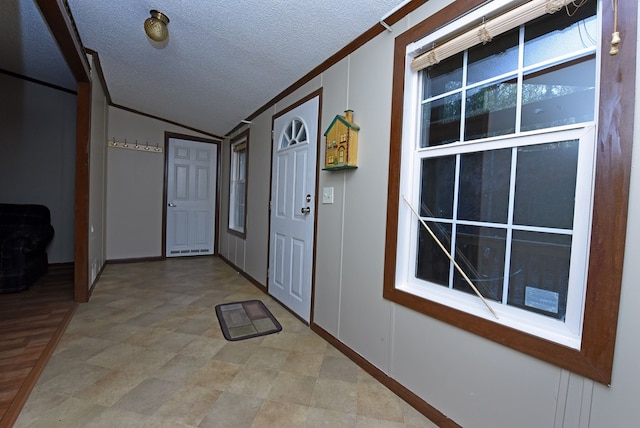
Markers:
<point>135,146</point>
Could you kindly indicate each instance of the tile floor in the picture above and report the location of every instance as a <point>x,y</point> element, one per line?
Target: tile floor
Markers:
<point>147,351</point>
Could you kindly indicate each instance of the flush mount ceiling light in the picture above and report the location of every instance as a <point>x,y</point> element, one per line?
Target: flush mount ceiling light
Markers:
<point>156,26</point>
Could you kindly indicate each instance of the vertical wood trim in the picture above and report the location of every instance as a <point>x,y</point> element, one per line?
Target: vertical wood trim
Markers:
<point>611,200</point>
<point>57,18</point>
<point>83,137</point>
<point>55,15</point>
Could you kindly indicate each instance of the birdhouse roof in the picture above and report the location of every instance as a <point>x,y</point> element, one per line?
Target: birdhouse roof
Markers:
<point>343,120</point>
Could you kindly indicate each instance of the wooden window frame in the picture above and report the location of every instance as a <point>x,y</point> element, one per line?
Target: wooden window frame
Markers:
<point>244,136</point>
<point>616,105</point>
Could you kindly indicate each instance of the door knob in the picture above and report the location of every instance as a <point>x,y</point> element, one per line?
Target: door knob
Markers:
<point>305,210</point>
<point>171,204</point>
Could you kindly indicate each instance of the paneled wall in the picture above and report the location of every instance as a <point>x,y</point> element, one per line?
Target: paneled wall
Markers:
<point>475,382</point>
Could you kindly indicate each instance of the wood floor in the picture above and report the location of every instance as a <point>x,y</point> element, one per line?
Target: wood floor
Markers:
<point>31,324</point>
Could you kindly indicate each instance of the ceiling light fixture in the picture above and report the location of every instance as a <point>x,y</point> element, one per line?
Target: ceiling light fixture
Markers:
<point>156,26</point>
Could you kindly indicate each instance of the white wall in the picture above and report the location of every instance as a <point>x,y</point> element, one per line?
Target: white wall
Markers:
<point>37,155</point>
<point>135,186</point>
<point>474,381</point>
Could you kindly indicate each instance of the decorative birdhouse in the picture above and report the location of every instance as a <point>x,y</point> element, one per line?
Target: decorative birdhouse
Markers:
<point>341,143</point>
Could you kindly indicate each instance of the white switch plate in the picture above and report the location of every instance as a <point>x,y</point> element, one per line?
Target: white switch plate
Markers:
<point>327,195</point>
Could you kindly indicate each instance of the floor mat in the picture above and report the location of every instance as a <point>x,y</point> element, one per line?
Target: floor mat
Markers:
<point>242,320</point>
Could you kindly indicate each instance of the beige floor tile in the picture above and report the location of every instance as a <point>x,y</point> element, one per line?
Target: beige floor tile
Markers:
<point>292,388</point>
<point>114,331</point>
<point>214,331</point>
<point>303,363</point>
<point>215,374</point>
<point>335,395</point>
<point>189,405</point>
<point>268,358</point>
<point>112,418</point>
<point>147,336</point>
<point>76,378</point>
<point>82,348</point>
<point>110,388</point>
<point>238,352</point>
<point>147,397</point>
<point>115,356</point>
<point>415,419</point>
<point>339,368</point>
<point>283,340</point>
<point>365,422</point>
<point>203,347</point>
<point>146,362</point>
<point>180,368</point>
<point>195,326</point>
<point>173,342</point>
<point>276,414</point>
<point>70,413</point>
<point>378,402</point>
<point>147,319</point>
<point>311,344</point>
<point>323,418</point>
<point>170,322</point>
<point>232,411</point>
<point>55,367</point>
<point>40,402</point>
<point>253,382</point>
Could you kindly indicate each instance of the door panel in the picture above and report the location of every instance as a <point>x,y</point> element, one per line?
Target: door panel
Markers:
<point>292,218</point>
<point>191,197</point>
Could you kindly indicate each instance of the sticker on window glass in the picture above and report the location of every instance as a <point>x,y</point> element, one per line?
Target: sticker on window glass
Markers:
<point>541,299</point>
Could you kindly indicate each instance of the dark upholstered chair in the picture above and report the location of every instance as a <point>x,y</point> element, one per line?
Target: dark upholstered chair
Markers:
<point>25,232</point>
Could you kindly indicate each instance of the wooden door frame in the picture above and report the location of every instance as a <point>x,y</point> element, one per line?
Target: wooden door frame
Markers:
<point>55,15</point>
<point>216,227</point>
<point>317,93</point>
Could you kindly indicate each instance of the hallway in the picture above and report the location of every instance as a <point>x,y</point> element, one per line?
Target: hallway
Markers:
<point>147,351</point>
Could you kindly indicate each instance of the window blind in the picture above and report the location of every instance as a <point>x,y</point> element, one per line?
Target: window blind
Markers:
<point>240,146</point>
<point>487,30</point>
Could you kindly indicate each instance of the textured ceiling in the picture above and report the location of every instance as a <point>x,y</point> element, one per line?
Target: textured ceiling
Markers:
<point>223,59</point>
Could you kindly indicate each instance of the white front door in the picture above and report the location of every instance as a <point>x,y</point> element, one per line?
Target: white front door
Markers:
<point>191,197</point>
<point>293,196</point>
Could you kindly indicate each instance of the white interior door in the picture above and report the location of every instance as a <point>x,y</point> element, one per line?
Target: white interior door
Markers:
<point>191,197</point>
<point>292,218</point>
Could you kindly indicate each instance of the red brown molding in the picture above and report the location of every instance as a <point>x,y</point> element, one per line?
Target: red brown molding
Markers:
<point>244,274</point>
<point>396,387</point>
<point>81,247</point>
<point>55,15</point>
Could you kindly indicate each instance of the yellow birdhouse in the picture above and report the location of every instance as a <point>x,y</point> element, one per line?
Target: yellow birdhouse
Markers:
<point>341,143</point>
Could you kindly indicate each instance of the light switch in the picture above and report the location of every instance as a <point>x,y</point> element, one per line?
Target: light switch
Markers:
<point>327,195</point>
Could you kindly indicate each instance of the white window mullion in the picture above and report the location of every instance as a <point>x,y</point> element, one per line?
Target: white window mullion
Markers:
<point>512,198</point>
<point>454,220</point>
<point>463,95</point>
<point>520,79</point>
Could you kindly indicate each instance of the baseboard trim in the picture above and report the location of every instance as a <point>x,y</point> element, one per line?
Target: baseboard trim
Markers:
<point>396,387</point>
<point>136,260</point>
<point>244,274</point>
